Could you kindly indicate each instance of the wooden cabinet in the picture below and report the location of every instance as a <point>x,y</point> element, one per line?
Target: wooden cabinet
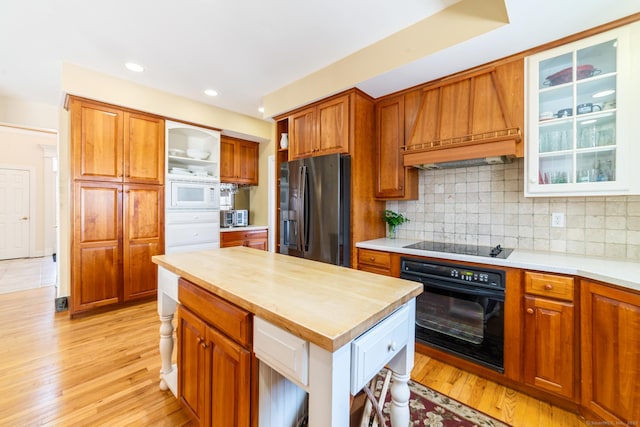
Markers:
<point>374,261</point>
<point>116,145</point>
<point>610,332</point>
<point>581,115</point>
<point>215,364</point>
<point>550,333</point>
<point>257,239</point>
<point>117,228</point>
<point>238,161</point>
<point>322,128</point>
<point>118,204</point>
<point>394,180</point>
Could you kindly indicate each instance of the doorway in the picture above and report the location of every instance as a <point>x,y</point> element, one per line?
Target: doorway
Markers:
<point>15,219</point>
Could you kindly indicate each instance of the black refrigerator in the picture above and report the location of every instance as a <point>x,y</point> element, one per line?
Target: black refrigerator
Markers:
<point>315,209</point>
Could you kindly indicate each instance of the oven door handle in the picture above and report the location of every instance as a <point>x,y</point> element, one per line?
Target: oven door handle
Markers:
<point>470,290</point>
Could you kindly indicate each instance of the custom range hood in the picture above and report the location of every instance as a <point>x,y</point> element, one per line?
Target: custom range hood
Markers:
<point>469,120</point>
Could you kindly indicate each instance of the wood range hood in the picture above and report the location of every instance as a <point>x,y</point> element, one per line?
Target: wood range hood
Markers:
<point>471,120</point>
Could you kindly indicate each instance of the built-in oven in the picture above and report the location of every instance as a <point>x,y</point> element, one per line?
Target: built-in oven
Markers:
<point>193,194</point>
<point>461,310</point>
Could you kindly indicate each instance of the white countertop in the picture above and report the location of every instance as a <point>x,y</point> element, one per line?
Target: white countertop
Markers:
<point>623,273</point>
<point>247,228</point>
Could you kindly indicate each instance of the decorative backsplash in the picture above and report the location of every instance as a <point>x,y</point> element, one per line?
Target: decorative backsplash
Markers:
<point>485,205</point>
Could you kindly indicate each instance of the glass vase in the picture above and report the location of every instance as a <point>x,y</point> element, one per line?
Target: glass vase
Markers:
<point>393,231</point>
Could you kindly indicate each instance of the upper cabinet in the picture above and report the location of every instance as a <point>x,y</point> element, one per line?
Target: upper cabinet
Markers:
<point>192,152</point>
<point>394,180</point>
<point>114,145</point>
<point>473,115</point>
<point>322,128</point>
<point>581,138</point>
<point>238,161</point>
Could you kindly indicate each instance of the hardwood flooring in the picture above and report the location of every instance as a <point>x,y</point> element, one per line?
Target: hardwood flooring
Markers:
<point>103,370</point>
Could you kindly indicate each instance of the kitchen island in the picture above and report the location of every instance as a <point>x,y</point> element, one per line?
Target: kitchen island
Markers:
<point>348,323</point>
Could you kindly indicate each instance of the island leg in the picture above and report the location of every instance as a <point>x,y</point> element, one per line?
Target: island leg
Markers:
<point>166,348</point>
<point>399,400</point>
<point>329,391</point>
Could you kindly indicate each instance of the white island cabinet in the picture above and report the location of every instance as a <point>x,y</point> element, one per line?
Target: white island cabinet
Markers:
<point>582,129</point>
<point>326,329</point>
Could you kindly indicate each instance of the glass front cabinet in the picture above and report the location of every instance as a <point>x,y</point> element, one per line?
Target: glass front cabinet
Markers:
<point>583,117</point>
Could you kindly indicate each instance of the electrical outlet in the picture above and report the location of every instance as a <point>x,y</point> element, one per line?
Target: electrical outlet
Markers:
<point>557,219</point>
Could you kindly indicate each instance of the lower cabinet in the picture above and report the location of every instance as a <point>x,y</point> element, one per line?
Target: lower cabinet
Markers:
<point>216,380</point>
<point>610,352</point>
<point>549,333</point>
<point>374,261</point>
<point>257,239</point>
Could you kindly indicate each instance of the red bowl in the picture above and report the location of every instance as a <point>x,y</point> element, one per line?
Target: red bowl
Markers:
<point>565,76</point>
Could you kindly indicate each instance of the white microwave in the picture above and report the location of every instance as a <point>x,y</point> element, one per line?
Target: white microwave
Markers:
<point>193,195</point>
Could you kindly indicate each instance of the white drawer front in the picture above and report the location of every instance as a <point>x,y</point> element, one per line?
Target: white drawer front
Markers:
<point>376,347</point>
<point>191,234</point>
<point>174,217</point>
<point>283,351</point>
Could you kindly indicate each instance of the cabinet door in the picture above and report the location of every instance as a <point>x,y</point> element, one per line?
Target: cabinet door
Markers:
<point>143,148</point>
<point>302,133</point>
<point>228,155</point>
<point>96,141</point>
<point>96,273</point>
<point>333,126</point>
<point>610,321</point>
<point>229,377</point>
<point>247,162</point>
<point>193,360</point>
<point>143,238</point>
<point>549,345</point>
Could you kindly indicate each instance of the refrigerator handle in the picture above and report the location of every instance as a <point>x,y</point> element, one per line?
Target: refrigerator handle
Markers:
<point>302,200</point>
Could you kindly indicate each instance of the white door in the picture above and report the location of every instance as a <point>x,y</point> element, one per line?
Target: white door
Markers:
<point>14,213</point>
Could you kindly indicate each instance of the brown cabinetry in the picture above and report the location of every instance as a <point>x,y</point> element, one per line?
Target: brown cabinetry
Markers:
<point>216,383</point>
<point>257,239</point>
<point>550,351</point>
<point>238,161</point>
<point>374,261</point>
<point>320,129</point>
<point>116,145</point>
<point>394,181</point>
<point>610,332</point>
<point>118,204</point>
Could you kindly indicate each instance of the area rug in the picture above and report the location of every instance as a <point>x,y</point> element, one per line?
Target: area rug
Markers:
<point>427,407</point>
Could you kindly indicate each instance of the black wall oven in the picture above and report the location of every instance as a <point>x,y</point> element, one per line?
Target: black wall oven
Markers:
<point>461,310</point>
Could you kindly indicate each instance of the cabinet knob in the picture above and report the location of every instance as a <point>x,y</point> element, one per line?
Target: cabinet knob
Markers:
<point>392,346</point>
<point>548,286</point>
<point>195,234</point>
<point>530,310</point>
<point>372,259</point>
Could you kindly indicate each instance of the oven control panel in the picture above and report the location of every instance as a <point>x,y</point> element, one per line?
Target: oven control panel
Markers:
<point>454,273</point>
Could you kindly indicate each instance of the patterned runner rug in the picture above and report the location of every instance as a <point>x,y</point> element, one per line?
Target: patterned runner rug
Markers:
<point>430,408</point>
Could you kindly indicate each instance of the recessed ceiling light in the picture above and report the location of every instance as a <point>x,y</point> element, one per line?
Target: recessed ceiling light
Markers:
<point>211,92</point>
<point>261,109</point>
<point>132,66</point>
<point>603,93</point>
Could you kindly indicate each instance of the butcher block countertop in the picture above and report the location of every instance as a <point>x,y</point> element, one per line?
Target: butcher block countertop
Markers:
<point>321,303</point>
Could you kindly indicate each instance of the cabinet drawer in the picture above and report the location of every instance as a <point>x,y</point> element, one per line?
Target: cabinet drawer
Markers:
<point>283,351</point>
<point>549,285</point>
<point>375,258</point>
<point>173,217</point>
<point>241,235</point>
<point>226,317</point>
<point>190,234</point>
<point>376,347</point>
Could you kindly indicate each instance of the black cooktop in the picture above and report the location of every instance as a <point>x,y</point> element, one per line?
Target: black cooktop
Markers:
<point>462,249</point>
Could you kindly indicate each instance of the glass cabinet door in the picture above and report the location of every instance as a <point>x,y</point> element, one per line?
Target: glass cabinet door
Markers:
<point>572,122</point>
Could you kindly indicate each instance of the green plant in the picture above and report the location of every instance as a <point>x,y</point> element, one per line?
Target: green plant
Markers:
<point>394,218</point>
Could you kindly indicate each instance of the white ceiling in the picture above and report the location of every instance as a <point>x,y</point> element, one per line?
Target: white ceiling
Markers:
<point>246,49</point>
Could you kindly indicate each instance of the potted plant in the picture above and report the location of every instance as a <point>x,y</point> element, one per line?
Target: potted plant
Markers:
<point>394,219</point>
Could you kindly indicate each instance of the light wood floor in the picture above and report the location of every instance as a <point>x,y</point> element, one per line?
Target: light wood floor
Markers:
<point>103,370</point>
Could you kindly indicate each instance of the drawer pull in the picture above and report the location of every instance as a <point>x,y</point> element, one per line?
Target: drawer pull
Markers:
<point>372,259</point>
<point>530,310</point>
<point>392,346</point>
<point>548,286</point>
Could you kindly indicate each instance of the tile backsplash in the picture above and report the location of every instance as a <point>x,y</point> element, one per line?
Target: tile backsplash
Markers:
<point>485,205</point>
